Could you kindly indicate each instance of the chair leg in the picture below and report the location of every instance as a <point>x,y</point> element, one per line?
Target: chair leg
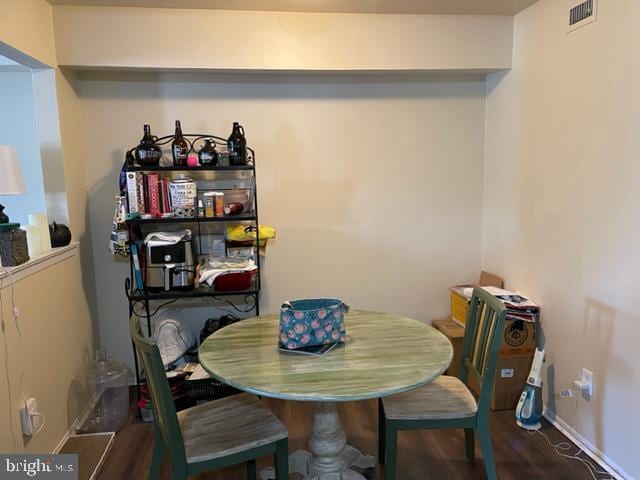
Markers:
<point>391,450</point>
<point>251,470</point>
<point>282,459</point>
<point>469,440</point>
<point>381,432</point>
<point>178,472</point>
<point>484,437</point>
<point>158,453</point>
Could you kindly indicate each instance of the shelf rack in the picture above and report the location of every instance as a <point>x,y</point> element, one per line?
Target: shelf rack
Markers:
<point>249,298</point>
<point>225,219</point>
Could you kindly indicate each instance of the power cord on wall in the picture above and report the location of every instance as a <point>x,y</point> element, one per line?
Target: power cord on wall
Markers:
<point>562,447</point>
<point>16,314</point>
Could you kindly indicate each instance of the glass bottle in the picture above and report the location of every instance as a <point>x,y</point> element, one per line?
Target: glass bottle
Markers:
<point>147,153</point>
<point>208,154</point>
<point>179,147</point>
<point>237,145</point>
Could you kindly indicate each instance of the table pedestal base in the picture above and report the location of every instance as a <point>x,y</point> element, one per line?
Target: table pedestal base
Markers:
<point>330,457</point>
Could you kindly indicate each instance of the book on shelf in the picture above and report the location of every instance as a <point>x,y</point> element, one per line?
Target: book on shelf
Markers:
<point>148,194</point>
<point>167,206</point>
<point>135,192</point>
<point>136,266</point>
<point>154,195</point>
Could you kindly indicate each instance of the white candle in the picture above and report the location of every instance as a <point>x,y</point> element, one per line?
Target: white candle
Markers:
<point>40,221</point>
<point>34,242</point>
<point>45,237</point>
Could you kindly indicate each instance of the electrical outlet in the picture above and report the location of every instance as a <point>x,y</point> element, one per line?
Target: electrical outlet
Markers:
<point>28,420</point>
<point>587,378</point>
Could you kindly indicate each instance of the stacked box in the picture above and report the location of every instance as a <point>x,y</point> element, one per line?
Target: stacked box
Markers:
<point>516,351</point>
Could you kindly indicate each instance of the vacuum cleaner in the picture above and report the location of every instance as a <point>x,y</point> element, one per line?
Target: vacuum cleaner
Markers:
<point>529,409</point>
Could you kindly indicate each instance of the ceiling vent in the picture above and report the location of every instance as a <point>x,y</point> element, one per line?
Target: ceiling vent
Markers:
<point>582,13</point>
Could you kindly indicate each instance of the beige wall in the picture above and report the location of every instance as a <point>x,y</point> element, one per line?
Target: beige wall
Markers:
<point>50,161</point>
<point>72,151</point>
<point>231,40</point>
<point>72,148</point>
<point>561,194</point>
<point>58,332</point>
<point>56,342</point>
<point>373,184</point>
<point>26,35</point>
<point>27,27</point>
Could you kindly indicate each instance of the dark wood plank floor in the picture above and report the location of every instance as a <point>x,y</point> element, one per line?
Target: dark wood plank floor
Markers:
<point>422,455</point>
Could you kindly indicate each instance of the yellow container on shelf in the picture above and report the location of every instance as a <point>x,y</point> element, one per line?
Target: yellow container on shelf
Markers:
<point>459,304</point>
<point>460,298</point>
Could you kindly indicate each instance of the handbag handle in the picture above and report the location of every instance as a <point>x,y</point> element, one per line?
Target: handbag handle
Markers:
<point>287,305</point>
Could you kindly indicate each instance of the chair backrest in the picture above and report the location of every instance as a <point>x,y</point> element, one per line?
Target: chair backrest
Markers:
<point>481,345</point>
<point>164,410</point>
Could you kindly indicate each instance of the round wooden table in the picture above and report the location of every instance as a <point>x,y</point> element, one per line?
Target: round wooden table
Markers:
<point>385,354</point>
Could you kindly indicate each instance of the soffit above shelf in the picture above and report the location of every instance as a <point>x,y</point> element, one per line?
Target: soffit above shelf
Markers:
<point>421,7</point>
<point>272,42</point>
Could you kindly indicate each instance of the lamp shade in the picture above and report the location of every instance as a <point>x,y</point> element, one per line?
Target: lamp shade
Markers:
<point>11,181</point>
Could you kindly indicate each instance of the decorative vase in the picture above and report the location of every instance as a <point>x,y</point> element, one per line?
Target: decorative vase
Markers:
<point>60,235</point>
<point>3,216</point>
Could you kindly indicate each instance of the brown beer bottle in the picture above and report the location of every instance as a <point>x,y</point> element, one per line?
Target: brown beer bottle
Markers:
<point>179,147</point>
<point>147,153</point>
<point>237,145</point>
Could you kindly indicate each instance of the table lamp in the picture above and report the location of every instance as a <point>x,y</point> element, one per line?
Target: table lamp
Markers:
<point>11,181</point>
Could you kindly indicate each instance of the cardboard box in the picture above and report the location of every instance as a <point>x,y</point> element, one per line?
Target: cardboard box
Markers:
<point>460,302</point>
<point>514,362</point>
<point>455,334</point>
<point>511,376</point>
<point>518,339</point>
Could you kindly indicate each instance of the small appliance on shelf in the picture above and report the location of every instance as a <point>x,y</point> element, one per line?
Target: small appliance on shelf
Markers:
<point>170,262</point>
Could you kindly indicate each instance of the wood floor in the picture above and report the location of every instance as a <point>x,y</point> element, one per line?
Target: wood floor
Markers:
<point>422,455</point>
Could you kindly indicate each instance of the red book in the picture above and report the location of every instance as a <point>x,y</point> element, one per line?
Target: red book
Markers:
<point>145,194</point>
<point>154,196</point>
<point>140,189</point>
<point>165,194</point>
<point>160,195</point>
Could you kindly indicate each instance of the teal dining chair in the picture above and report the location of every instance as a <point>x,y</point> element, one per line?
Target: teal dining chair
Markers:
<point>447,402</point>
<point>216,434</point>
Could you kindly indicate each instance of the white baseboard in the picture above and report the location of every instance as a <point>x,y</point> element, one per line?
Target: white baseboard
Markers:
<point>594,453</point>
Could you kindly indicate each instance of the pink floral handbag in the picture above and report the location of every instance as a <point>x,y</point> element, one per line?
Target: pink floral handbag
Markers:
<point>314,321</point>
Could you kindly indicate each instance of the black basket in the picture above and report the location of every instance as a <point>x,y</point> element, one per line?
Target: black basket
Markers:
<point>208,389</point>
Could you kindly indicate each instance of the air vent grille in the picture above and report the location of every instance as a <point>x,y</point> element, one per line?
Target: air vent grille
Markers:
<point>580,12</point>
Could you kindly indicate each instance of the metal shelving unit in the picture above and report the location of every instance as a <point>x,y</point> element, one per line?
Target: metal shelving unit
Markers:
<point>159,221</point>
<point>144,303</point>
